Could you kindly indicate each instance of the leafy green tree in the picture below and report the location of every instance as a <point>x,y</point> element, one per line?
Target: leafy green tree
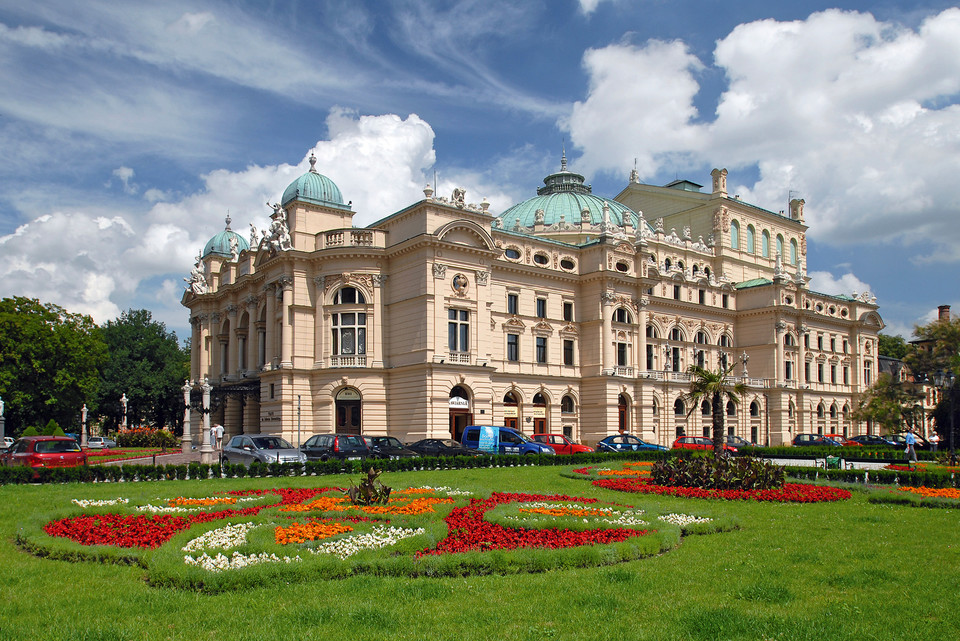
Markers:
<point>147,364</point>
<point>714,386</point>
<point>937,350</point>
<point>891,404</point>
<point>892,346</point>
<point>50,363</point>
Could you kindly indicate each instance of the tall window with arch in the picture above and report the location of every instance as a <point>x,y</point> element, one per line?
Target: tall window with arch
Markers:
<point>734,235</point>
<point>794,253</point>
<point>751,239</point>
<point>349,326</point>
<point>780,247</point>
<point>765,244</point>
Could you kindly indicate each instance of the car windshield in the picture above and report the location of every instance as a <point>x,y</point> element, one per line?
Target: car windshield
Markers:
<point>351,441</point>
<point>271,443</point>
<point>386,441</point>
<point>449,442</point>
<point>44,447</point>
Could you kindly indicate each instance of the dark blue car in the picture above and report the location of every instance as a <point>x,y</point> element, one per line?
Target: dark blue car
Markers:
<point>495,439</point>
<point>626,443</point>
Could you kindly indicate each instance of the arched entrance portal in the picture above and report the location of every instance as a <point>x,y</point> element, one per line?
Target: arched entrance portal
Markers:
<point>348,408</point>
<point>460,414</point>
<point>623,425</point>
<point>511,411</point>
<point>539,413</point>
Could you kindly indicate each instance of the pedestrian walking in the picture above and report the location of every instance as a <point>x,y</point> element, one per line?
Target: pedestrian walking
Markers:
<point>910,451</point>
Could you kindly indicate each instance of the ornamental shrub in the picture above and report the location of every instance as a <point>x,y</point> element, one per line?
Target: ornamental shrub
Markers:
<point>31,431</point>
<point>722,473</point>
<point>146,437</point>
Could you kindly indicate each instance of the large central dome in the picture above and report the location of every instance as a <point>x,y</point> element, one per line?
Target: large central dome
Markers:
<point>313,187</point>
<point>565,199</point>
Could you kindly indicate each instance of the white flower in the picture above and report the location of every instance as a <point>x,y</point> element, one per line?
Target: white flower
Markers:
<point>91,502</point>
<point>444,490</point>
<point>381,536</point>
<point>683,520</point>
<point>236,561</point>
<point>229,536</point>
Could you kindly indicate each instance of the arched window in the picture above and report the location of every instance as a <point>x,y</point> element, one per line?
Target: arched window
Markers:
<point>734,235</point>
<point>706,270</point>
<point>705,408</point>
<point>793,252</point>
<point>820,410</point>
<point>754,409</point>
<point>679,408</point>
<point>667,263</point>
<point>788,340</point>
<point>539,399</point>
<point>833,411</point>
<point>701,338</point>
<point>731,408</point>
<point>621,315</point>
<point>676,334</point>
<point>656,407</point>
<point>846,412</point>
<point>566,405</point>
<point>751,239</point>
<point>652,332</point>
<point>765,244</point>
<point>780,246</point>
<point>510,399</point>
<point>724,340</point>
<point>349,296</point>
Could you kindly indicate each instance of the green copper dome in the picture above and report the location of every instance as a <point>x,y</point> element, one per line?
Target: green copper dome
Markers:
<point>313,187</point>
<point>220,244</point>
<point>563,198</point>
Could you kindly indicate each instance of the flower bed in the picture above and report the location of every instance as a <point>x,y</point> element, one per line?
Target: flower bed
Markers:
<point>789,493</point>
<point>213,542</point>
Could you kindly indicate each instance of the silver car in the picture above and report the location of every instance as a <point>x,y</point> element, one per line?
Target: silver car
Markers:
<point>100,442</point>
<point>265,448</point>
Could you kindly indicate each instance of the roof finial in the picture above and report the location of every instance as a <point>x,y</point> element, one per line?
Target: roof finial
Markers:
<point>313,163</point>
<point>228,220</point>
<point>563,156</point>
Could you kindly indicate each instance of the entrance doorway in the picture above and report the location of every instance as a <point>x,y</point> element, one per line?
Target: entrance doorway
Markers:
<point>460,414</point>
<point>539,414</point>
<point>349,406</point>
<point>511,411</point>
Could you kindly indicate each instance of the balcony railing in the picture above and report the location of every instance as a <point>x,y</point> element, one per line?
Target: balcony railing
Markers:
<point>460,358</point>
<point>623,371</point>
<point>359,360</point>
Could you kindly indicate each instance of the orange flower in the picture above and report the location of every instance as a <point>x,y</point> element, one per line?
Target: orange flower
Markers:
<point>942,493</point>
<point>322,504</point>
<point>620,473</point>
<point>310,531</point>
<point>562,511</point>
<point>416,506</point>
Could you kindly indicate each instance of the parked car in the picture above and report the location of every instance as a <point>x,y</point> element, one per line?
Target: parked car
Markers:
<point>7,442</point>
<point>737,441</point>
<point>442,447</point>
<point>323,447</point>
<point>805,440</point>
<point>44,451</point>
<point>502,440</point>
<point>100,443</point>
<point>561,444</point>
<point>699,443</point>
<point>872,440</point>
<point>843,440</point>
<point>265,448</point>
<point>626,443</point>
<point>388,447</point>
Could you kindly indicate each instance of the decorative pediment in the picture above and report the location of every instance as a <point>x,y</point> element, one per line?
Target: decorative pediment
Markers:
<point>569,329</point>
<point>542,328</point>
<point>514,323</point>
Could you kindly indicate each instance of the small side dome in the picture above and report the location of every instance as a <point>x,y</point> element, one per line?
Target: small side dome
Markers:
<point>220,244</point>
<point>315,188</point>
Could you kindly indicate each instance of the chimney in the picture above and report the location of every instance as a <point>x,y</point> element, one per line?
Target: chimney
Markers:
<point>944,313</point>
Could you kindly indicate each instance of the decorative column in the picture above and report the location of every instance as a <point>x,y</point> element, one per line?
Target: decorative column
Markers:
<point>642,320</point>
<point>206,449</point>
<point>83,426</point>
<point>379,320</point>
<point>780,375</point>
<point>186,443</point>
<point>271,327</point>
<point>286,338</point>
<point>252,335</point>
<point>606,341</point>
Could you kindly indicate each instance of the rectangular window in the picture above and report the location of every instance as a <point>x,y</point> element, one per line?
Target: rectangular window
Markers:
<point>513,303</point>
<point>820,343</point>
<point>568,352</point>
<point>541,349</point>
<point>621,354</point>
<point>788,370</point>
<point>676,292</point>
<point>675,360</point>
<point>349,333</point>
<point>458,330</point>
<point>806,372</point>
<point>867,373</point>
<point>819,372</point>
<point>726,301</point>
<point>702,297</point>
<point>833,374</point>
<point>513,347</point>
<point>846,375</point>
<point>541,308</point>
<point>833,344</point>
<point>649,357</point>
<point>806,341</point>
<point>568,312</point>
<point>844,346</point>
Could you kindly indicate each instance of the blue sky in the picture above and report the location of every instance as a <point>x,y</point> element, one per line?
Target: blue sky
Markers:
<point>129,130</point>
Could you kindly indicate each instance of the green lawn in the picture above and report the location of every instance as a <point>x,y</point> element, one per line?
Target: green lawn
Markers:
<point>848,570</point>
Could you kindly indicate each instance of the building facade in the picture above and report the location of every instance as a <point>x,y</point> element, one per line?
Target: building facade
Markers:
<point>568,313</point>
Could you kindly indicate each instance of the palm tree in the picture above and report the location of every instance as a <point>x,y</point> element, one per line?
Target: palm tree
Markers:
<point>713,385</point>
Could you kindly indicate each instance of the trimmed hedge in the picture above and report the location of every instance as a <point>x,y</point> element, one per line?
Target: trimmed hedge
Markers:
<point>126,473</point>
<point>891,454</point>
<point>885,477</point>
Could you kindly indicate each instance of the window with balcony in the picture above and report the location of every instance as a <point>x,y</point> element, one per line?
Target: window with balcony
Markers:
<point>541,349</point>
<point>568,352</point>
<point>513,347</point>
<point>349,333</point>
<point>458,330</point>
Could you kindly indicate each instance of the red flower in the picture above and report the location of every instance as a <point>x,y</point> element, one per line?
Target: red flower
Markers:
<point>789,493</point>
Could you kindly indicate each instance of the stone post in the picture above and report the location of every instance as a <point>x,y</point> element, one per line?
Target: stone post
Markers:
<point>83,425</point>
<point>123,401</point>
<point>186,443</point>
<point>206,450</point>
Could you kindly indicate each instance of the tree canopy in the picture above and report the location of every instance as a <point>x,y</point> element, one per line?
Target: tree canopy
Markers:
<point>891,404</point>
<point>892,346</point>
<point>147,364</point>
<point>50,365</point>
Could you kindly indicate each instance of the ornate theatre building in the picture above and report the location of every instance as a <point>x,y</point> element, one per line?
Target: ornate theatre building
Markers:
<point>567,313</point>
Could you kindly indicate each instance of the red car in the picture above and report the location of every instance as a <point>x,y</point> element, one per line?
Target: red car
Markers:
<point>843,440</point>
<point>699,443</point>
<point>44,451</point>
<point>561,444</point>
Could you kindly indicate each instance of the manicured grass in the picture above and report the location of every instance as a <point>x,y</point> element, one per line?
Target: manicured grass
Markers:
<point>98,456</point>
<point>845,570</point>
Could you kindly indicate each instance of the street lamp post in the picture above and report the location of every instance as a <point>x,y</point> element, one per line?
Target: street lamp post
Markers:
<point>186,442</point>
<point>944,382</point>
<point>83,425</point>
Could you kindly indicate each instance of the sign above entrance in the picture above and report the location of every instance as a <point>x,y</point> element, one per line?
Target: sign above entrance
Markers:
<point>457,403</point>
<point>348,394</point>
<point>510,411</point>
<point>539,412</point>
